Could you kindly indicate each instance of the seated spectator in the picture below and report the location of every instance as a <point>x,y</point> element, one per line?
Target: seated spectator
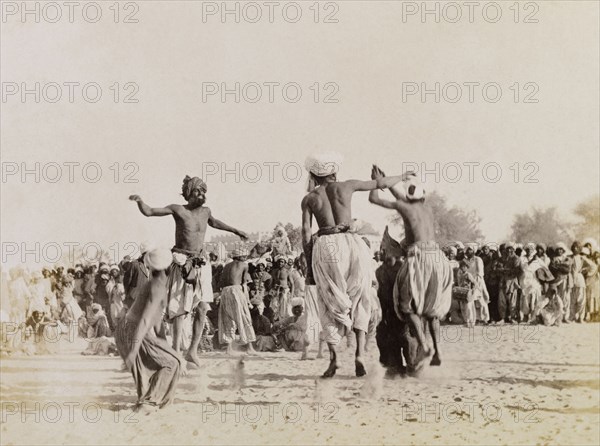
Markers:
<point>290,333</point>
<point>551,308</point>
<point>97,323</point>
<point>37,334</point>
<point>265,340</point>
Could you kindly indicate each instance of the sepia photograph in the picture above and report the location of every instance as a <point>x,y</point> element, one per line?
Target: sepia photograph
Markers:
<point>302,222</point>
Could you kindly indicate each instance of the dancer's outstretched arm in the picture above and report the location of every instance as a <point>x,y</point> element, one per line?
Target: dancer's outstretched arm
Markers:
<point>149,211</point>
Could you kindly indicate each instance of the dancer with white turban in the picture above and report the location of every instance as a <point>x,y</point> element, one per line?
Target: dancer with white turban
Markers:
<point>154,365</point>
<point>190,282</point>
<point>423,288</point>
<point>338,260</point>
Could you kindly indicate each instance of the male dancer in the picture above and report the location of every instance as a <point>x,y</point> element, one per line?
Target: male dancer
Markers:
<point>189,283</point>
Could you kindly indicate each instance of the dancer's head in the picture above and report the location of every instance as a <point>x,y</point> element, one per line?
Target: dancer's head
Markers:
<point>194,191</point>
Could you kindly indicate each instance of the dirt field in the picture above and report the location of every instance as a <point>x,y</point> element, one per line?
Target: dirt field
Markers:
<point>498,385</point>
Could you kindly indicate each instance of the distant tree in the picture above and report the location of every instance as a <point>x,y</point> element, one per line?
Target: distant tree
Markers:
<point>588,212</point>
<point>451,223</point>
<point>295,235</point>
<point>540,225</point>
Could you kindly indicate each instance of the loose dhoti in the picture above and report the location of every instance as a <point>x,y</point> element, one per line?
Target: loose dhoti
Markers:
<point>562,290</point>
<point>578,303</point>
<point>184,296</point>
<point>468,311</point>
<point>578,296</point>
<point>592,294</point>
<point>376,313</point>
<point>343,273</point>
<point>530,296</point>
<point>311,309</point>
<point>481,302</point>
<point>156,368</point>
<point>508,301</point>
<point>235,314</point>
<point>424,283</point>
<point>283,303</point>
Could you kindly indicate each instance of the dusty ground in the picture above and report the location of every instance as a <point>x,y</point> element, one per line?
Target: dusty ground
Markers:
<point>498,385</point>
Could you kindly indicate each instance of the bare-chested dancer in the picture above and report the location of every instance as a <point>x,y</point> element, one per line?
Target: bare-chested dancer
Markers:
<point>189,284</point>
<point>340,259</point>
<point>234,310</point>
<point>424,283</point>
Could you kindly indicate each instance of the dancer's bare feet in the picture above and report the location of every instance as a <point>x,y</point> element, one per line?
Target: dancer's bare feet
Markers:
<point>145,409</point>
<point>436,360</point>
<point>330,372</point>
<point>193,357</point>
<point>420,360</point>
<point>230,351</point>
<point>250,351</point>
<point>359,367</point>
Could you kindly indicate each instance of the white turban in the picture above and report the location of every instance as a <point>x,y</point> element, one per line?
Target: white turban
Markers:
<point>146,246</point>
<point>158,259</point>
<point>297,301</point>
<point>474,246</point>
<point>561,245</point>
<point>239,252</point>
<point>410,189</point>
<point>323,164</point>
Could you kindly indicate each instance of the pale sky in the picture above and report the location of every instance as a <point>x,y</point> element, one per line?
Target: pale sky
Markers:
<point>370,54</point>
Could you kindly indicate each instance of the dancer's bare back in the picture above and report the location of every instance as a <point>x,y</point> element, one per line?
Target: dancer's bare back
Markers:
<point>418,222</point>
<point>234,273</point>
<point>331,203</point>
